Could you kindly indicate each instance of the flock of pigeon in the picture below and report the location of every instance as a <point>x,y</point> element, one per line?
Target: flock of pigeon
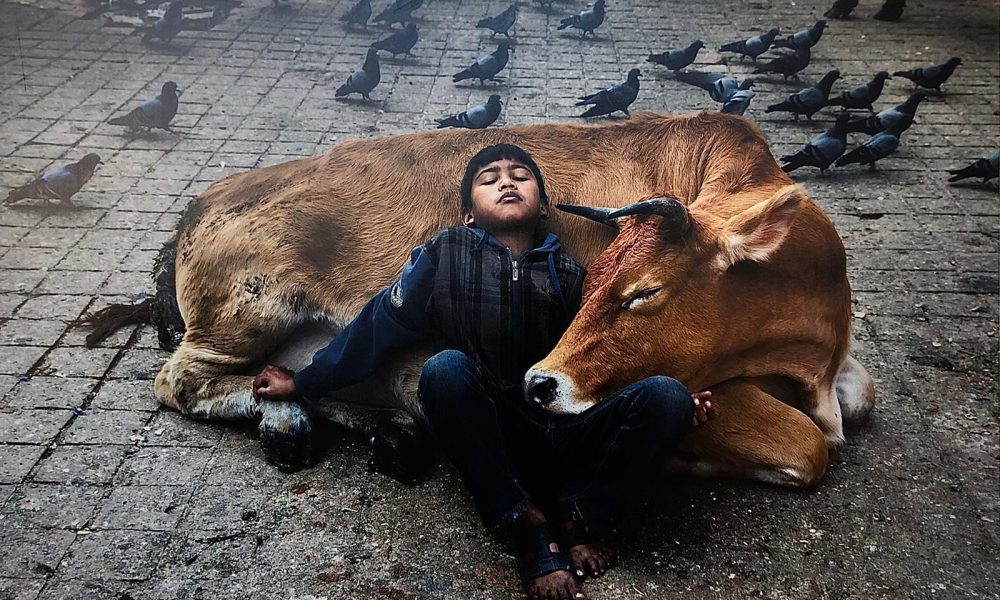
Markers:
<point>734,96</point>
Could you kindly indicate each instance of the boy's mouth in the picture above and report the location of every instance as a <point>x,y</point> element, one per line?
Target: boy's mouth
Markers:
<point>509,197</point>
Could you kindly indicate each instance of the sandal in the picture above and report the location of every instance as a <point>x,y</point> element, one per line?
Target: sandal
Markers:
<point>536,542</point>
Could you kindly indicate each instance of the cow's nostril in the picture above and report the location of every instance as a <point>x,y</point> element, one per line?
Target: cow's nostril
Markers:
<point>541,389</point>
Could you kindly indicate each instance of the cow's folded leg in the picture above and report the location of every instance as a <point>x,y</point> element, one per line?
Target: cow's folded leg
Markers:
<point>754,436</point>
<point>194,382</point>
<point>855,391</point>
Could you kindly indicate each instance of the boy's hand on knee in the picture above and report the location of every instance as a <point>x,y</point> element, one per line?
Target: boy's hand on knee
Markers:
<point>274,383</point>
<point>702,407</point>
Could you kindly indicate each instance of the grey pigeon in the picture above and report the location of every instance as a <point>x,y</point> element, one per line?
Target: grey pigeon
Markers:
<point>841,9</point>
<point>364,80</point>
<point>822,150</point>
<point>984,168</point>
<point>752,47</point>
<point>586,21</point>
<point>891,10</point>
<point>500,23</point>
<point>863,96</point>
<point>787,65</point>
<point>399,11</point>
<point>358,14</point>
<point>155,113</point>
<point>738,103</point>
<point>399,42</point>
<point>720,87</point>
<point>808,101</point>
<point>678,58</point>
<point>168,25</point>
<point>477,117</point>
<point>933,76</point>
<point>807,38</point>
<point>488,66</point>
<point>546,4</point>
<point>616,97</point>
<point>58,183</point>
<point>896,119</point>
<point>875,149</point>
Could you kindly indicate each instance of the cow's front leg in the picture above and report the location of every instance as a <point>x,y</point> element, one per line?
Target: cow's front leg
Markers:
<point>196,383</point>
<point>754,436</point>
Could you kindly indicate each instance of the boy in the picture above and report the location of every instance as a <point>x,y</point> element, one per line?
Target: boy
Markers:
<point>496,295</point>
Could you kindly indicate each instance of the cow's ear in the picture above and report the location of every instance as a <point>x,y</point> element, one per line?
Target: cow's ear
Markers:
<point>756,233</point>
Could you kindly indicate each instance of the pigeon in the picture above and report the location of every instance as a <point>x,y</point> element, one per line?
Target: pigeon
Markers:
<point>810,100</point>
<point>933,76</point>
<point>896,119</point>
<point>488,66</point>
<point>738,102</point>
<point>399,42</point>
<point>984,168</point>
<point>616,97</point>
<point>891,10</point>
<point>822,150</point>
<point>399,11</point>
<point>720,87</point>
<point>679,58</point>
<point>807,38</point>
<point>587,21</point>
<point>477,117</point>
<point>358,14</point>
<point>58,183</point>
<point>876,148</point>
<point>364,80</point>
<point>752,47</point>
<point>863,96</point>
<point>788,64</point>
<point>168,25</point>
<point>155,113</point>
<point>500,23</point>
<point>546,4</point>
<point>841,9</point>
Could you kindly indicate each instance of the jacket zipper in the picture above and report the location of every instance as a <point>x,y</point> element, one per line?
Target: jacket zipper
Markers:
<point>514,266</point>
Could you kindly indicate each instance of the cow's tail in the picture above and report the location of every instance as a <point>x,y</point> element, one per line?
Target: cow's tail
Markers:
<point>160,310</point>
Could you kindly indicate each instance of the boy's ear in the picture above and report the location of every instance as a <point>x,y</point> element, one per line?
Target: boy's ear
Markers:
<point>543,210</point>
<point>468,220</point>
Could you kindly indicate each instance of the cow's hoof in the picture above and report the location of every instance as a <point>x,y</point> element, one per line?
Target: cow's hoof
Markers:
<point>286,435</point>
<point>401,455</point>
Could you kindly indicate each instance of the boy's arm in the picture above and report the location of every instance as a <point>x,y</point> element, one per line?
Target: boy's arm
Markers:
<point>396,317</point>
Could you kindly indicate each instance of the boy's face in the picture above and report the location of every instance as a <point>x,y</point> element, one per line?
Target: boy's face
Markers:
<point>505,197</point>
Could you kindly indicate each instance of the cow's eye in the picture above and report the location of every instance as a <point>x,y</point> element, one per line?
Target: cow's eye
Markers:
<point>640,298</point>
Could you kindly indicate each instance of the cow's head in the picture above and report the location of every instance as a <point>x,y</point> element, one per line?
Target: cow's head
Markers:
<point>659,299</point>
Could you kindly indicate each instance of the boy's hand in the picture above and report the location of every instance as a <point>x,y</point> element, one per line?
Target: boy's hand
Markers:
<point>702,407</point>
<point>274,383</point>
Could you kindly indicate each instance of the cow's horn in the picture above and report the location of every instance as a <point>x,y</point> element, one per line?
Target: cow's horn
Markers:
<point>594,213</point>
<point>675,214</point>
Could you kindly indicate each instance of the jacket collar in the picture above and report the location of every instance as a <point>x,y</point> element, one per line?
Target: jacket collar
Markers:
<point>549,246</point>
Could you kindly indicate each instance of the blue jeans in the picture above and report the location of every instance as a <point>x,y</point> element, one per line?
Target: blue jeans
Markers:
<point>509,455</point>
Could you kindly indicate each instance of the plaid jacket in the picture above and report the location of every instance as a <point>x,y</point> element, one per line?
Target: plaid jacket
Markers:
<point>463,290</point>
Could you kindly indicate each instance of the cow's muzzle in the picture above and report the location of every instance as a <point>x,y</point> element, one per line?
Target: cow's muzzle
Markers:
<point>541,390</point>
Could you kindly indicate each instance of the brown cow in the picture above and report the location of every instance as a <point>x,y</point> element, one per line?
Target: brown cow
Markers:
<point>269,264</point>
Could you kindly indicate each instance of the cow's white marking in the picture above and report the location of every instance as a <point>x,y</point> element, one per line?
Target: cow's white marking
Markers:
<point>826,414</point>
<point>855,391</point>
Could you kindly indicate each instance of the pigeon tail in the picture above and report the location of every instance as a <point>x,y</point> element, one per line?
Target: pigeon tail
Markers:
<point>17,194</point>
<point>448,122</point>
<point>732,47</point>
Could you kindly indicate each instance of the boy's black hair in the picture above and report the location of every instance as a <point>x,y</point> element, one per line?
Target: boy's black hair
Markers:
<point>494,153</point>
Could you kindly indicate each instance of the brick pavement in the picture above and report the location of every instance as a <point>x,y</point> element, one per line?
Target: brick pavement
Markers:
<point>104,495</point>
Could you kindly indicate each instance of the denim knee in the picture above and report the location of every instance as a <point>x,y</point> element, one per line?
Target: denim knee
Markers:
<point>447,376</point>
<point>666,399</point>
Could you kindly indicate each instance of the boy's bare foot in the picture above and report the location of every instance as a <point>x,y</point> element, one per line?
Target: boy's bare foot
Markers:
<point>592,559</point>
<point>702,408</point>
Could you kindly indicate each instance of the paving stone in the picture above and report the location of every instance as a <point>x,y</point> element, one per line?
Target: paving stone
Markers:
<point>123,394</point>
<point>32,426</point>
<point>78,362</point>
<point>50,392</point>
<point>32,553</point>
<point>164,466</point>
<point>17,461</point>
<point>100,426</point>
<point>80,465</point>
<point>20,589</point>
<point>145,507</point>
<point>17,360</point>
<point>115,554</point>
<point>49,506</point>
